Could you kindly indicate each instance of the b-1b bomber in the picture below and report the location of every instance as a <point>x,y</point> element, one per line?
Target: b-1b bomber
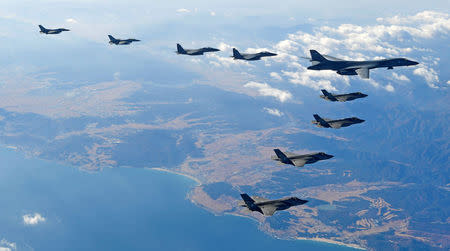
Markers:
<point>268,207</point>
<point>348,67</point>
<point>335,123</point>
<point>194,52</point>
<point>299,160</point>
<point>342,97</point>
<point>51,31</point>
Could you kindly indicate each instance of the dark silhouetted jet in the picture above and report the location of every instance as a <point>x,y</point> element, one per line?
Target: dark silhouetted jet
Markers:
<point>268,207</point>
<point>342,97</point>
<point>361,68</point>
<point>251,57</point>
<point>194,52</point>
<point>336,124</point>
<point>299,160</point>
<point>116,41</point>
<point>51,31</point>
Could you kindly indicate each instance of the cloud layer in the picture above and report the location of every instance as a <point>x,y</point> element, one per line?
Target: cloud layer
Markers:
<point>266,90</point>
<point>33,219</point>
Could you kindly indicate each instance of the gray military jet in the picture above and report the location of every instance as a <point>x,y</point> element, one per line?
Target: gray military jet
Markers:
<point>51,31</point>
<point>336,124</point>
<point>251,57</point>
<point>299,160</point>
<point>268,207</point>
<point>342,97</point>
<point>194,52</point>
<point>115,41</point>
<point>361,68</point>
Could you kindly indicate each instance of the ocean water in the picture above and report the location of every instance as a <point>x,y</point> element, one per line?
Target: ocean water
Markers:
<point>117,209</point>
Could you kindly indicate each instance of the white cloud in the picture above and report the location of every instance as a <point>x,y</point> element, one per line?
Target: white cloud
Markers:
<point>428,74</point>
<point>33,219</point>
<point>183,10</point>
<point>7,246</point>
<point>212,13</point>
<point>266,90</point>
<point>71,20</point>
<point>448,82</point>
<point>400,77</point>
<point>389,88</point>
<point>273,111</point>
<point>116,76</point>
<point>391,37</point>
<point>276,76</point>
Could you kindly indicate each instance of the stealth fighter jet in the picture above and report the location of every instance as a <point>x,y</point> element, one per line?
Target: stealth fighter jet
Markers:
<point>194,52</point>
<point>361,68</point>
<point>299,160</point>
<point>336,124</point>
<point>116,41</point>
<point>342,97</point>
<point>51,31</point>
<point>268,207</point>
<point>251,57</point>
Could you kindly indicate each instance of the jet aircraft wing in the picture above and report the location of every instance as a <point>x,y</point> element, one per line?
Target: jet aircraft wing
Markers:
<point>268,210</point>
<point>299,162</point>
<point>258,199</point>
<point>363,72</point>
<point>337,124</point>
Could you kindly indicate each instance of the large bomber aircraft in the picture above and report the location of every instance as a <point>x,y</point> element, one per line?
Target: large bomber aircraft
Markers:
<point>251,57</point>
<point>347,67</point>
<point>299,159</point>
<point>335,123</point>
<point>116,41</point>
<point>268,207</point>
<point>194,52</point>
<point>342,97</point>
<point>51,31</point>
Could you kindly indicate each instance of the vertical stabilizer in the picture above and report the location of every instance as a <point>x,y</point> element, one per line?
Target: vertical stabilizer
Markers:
<point>180,49</point>
<point>42,28</point>
<point>316,56</point>
<point>321,121</point>
<point>236,54</point>
<point>283,158</point>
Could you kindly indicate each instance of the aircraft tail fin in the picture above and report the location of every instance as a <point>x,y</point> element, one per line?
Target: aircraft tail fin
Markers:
<point>248,200</point>
<point>321,121</point>
<point>328,95</point>
<point>42,28</point>
<point>236,54</point>
<point>180,49</point>
<point>316,56</point>
<point>111,38</point>
<point>282,157</point>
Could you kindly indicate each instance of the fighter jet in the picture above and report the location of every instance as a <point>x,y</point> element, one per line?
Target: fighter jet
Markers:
<point>194,52</point>
<point>299,160</point>
<point>268,207</point>
<point>342,97</point>
<point>51,31</point>
<point>336,124</point>
<point>361,68</point>
<point>251,57</point>
<point>115,41</point>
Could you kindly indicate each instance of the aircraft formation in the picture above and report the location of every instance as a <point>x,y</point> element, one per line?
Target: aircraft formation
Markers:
<point>319,62</point>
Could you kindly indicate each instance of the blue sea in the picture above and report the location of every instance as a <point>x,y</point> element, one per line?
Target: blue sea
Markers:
<point>117,209</point>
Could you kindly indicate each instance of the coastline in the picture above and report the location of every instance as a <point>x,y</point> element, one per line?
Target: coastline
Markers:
<point>177,173</point>
<point>318,239</point>
<point>248,217</point>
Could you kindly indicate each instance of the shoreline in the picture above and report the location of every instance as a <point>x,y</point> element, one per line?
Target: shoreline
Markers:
<point>318,239</point>
<point>177,173</point>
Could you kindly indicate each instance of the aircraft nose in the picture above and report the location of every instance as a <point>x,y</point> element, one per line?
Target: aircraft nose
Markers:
<point>413,62</point>
<point>329,156</point>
